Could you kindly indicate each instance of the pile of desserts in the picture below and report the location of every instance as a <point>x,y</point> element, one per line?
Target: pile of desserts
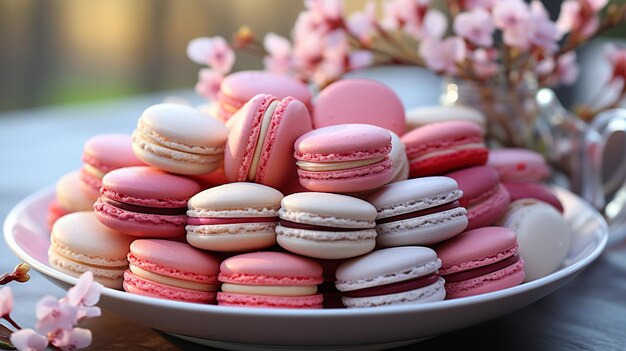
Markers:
<point>271,197</point>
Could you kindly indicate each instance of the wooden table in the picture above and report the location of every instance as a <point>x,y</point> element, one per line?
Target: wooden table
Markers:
<point>39,146</point>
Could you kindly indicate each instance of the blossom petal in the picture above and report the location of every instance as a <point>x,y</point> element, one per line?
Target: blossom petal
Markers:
<point>28,340</point>
<point>6,301</point>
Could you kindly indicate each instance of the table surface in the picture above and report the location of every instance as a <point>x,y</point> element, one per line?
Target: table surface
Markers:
<point>587,313</point>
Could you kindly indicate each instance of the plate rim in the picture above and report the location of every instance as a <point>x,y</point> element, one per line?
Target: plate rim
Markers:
<point>564,273</point>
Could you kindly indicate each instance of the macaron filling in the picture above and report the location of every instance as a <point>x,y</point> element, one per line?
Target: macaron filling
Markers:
<point>420,213</point>
<point>166,280</point>
<point>266,119</point>
<point>394,288</point>
<point>226,220</point>
<point>478,271</point>
<point>304,226</point>
<point>336,166</point>
<point>164,211</point>
<point>272,290</point>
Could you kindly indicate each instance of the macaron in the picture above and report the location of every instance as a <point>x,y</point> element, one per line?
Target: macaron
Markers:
<point>417,117</point>
<point>80,243</point>
<point>239,87</point>
<point>145,202</point>
<point>484,196</point>
<point>103,153</point>
<point>441,147</point>
<point>326,225</point>
<point>71,196</point>
<point>391,276</point>
<point>55,211</point>
<point>359,101</point>
<point>171,270</point>
<point>233,217</point>
<point>542,233</point>
<point>344,158</point>
<point>179,139</point>
<point>399,160</point>
<point>270,279</point>
<point>533,190</point>
<point>418,211</point>
<point>518,164</point>
<point>480,261</point>
<point>260,143</point>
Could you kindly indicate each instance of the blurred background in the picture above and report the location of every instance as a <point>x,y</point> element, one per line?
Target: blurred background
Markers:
<point>72,51</point>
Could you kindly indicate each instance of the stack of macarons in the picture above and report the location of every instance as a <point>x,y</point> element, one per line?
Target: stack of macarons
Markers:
<point>284,200</point>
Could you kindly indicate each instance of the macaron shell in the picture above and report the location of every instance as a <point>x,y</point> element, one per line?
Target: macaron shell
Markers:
<point>140,224</point>
<point>430,293</point>
<point>232,237</point>
<point>359,101</point>
<point>543,236</point>
<point>110,278</point>
<point>399,161</point>
<point>439,165</point>
<point>533,190</point>
<point>334,210</point>
<point>326,245</point>
<point>136,285</point>
<point>507,277</point>
<point>267,301</point>
<point>519,164</point>
<point>236,196</point>
<point>72,196</point>
<point>107,152</point>
<point>348,181</point>
<point>423,115</point>
<point>270,268</point>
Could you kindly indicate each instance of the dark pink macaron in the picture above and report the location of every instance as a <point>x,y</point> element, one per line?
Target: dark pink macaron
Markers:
<point>533,190</point>
<point>441,147</point>
<point>480,261</point>
<point>145,202</point>
<point>484,197</point>
<point>260,143</point>
<point>359,101</point>
<point>239,87</point>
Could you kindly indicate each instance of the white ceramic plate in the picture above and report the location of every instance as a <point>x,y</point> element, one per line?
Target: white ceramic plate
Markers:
<point>368,328</point>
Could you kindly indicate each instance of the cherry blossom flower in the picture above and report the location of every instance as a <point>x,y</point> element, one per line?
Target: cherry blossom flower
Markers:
<point>360,59</point>
<point>443,55</point>
<point>484,63</point>
<point>542,32</point>
<point>75,338</point>
<point>213,52</point>
<point>476,26</point>
<point>6,301</point>
<point>84,296</point>
<point>407,15</point>
<point>280,58</point>
<point>328,11</point>
<point>513,18</point>
<point>435,25</point>
<point>617,58</point>
<point>28,340</point>
<point>567,68</point>
<point>580,16</point>
<point>363,24</point>
<point>209,81</point>
<point>477,4</point>
<point>53,315</point>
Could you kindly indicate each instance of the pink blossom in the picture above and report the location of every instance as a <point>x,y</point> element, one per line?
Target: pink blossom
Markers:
<point>363,24</point>
<point>305,25</point>
<point>53,315</point>
<point>407,15</point>
<point>617,58</point>
<point>567,69</point>
<point>6,301</point>
<point>545,66</point>
<point>76,338</point>
<point>329,11</point>
<point>280,58</point>
<point>28,340</point>
<point>580,17</point>
<point>476,26</point>
<point>213,52</point>
<point>85,295</point>
<point>513,18</point>
<point>443,55</point>
<point>333,58</point>
<point>542,32</point>
<point>596,5</point>
<point>360,59</point>
<point>209,81</point>
<point>484,63</point>
<point>435,25</point>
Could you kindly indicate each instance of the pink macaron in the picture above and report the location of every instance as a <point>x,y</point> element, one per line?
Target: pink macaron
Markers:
<point>533,190</point>
<point>437,148</point>
<point>270,279</point>
<point>239,87</point>
<point>104,153</point>
<point>260,143</point>
<point>171,270</point>
<point>344,158</point>
<point>145,202</point>
<point>359,101</point>
<point>517,164</point>
<point>480,261</point>
<point>391,276</point>
<point>71,196</point>
<point>484,196</point>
